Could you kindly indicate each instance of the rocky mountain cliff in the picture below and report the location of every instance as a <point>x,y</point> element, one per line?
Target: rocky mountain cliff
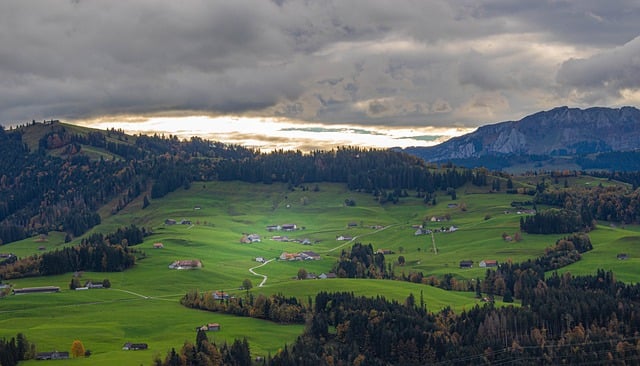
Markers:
<point>561,131</point>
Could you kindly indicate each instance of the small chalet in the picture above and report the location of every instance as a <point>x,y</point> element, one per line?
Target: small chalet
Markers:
<point>134,346</point>
<point>186,264</point>
<point>288,256</point>
<point>220,295</point>
<point>344,238</point>
<point>421,231</point>
<point>273,227</point>
<point>158,245</point>
<point>324,276</point>
<point>260,259</point>
<point>55,355</point>
<point>289,227</point>
<point>486,263</point>
<point>210,327</point>
<point>251,238</point>
<point>352,224</point>
<point>33,290</point>
<point>622,256</point>
<point>384,251</point>
<point>466,264</point>
<point>170,222</point>
<point>90,284</point>
<point>186,222</point>
<point>309,255</point>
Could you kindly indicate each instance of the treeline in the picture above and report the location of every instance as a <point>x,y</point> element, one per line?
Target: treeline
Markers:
<point>613,203</point>
<point>276,308</point>
<point>367,170</point>
<point>96,253</point>
<point>16,349</point>
<point>553,221</point>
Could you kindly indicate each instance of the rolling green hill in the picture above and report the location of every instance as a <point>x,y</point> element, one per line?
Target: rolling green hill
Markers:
<point>142,305</point>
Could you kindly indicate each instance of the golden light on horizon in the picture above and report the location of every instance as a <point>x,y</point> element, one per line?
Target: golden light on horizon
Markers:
<point>268,134</point>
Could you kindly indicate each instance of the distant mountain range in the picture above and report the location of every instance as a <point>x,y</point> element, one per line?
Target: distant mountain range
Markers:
<point>575,138</point>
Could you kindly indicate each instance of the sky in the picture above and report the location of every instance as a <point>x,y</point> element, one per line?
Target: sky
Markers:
<point>313,73</point>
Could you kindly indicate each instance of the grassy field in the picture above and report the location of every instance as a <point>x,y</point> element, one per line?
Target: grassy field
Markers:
<point>143,303</point>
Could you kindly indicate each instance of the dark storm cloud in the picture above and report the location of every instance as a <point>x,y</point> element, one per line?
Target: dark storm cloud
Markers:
<point>609,72</point>
<point>358,61</point>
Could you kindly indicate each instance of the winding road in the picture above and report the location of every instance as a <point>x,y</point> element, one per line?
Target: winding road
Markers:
<point>264,277</point>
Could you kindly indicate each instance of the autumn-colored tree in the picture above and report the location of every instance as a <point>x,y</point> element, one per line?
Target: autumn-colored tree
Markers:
<point>77,349</point>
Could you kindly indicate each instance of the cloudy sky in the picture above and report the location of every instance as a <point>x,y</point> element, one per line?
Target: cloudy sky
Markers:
<point>261,70</point>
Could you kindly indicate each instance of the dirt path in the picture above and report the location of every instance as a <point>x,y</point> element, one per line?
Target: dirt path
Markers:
<point>264,277</point>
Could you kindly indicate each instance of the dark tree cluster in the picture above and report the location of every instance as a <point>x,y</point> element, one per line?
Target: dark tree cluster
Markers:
<point>361,262</point>
<point>553,221</point>
<point>87,257</point>
<point>16,349</point>
<point>207,353</point>
<point>277,308</point>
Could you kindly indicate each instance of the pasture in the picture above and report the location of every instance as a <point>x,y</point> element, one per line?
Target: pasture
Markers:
<point>143,303</point>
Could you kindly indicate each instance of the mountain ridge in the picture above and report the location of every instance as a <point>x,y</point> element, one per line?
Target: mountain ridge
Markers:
<point>561,131</point>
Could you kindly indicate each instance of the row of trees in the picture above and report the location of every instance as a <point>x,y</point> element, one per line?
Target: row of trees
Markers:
<point>277,308</point>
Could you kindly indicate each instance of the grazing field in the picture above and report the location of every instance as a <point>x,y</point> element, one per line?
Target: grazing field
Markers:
<point>143,303</point>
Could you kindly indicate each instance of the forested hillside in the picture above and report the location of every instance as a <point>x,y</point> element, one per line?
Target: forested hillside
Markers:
<point>61,185</point>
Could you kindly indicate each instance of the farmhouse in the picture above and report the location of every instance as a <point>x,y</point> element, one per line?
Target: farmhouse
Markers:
<point>90,284</point>
<point>220,295</point>
<point>344,238</point>
<point>384,251</point>
<point>273,227</point>
<point>260,259</point>
<point>622,256</point>
<point>251,238</point>
<point>170,222</point>
<point>421,231</point>
<point>211,327</point>
<point>55,355</point>
<point>352,224</point>
<point>158,245</point>
<point>186,222</point>
<point>309,255</point>
<point>33,290</point>
<point>466,264</point>
<point>186,264</point>
<point>488,263</point>
<point>134,346</point>
<point>324,276</point>
<point>289,227</point>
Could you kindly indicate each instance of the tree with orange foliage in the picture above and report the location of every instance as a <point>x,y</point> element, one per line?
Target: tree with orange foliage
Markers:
<point>77,349</point>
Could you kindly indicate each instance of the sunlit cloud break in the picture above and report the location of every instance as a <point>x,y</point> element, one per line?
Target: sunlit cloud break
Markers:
<point>269,134</point>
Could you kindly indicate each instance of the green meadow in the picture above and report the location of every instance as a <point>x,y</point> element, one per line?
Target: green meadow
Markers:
<point>143,304</point>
